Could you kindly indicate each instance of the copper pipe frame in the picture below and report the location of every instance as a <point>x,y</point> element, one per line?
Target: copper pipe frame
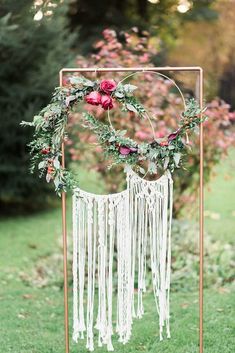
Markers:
<point>199,71</point>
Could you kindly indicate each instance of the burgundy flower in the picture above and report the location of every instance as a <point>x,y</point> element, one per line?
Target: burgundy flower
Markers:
<point>125,150</point>
<point>45,150</point>
<point>108,86</point>
<point>106,102</point>
<point>173,136</point>
<point>93,98</point>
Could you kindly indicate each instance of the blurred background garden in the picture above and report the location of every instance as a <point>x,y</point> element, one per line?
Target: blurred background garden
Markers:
<point>37,39</point>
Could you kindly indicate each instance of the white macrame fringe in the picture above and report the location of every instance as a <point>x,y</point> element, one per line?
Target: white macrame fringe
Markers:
<point>137,223</point>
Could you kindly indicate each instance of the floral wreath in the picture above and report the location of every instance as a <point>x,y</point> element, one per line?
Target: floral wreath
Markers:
<point>50,131</point>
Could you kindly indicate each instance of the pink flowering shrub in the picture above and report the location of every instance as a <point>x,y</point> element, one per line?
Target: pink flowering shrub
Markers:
<point>164,106</point>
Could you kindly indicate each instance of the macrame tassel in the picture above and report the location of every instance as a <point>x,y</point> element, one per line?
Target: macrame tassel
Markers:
<point>81,265</point>
<point>124,263</point>
<point>152,202</point>
<point>100,221</point>
<point>101,318</point>
<point>111,224</point>
<point>91,249</point>
<point>137,222</point>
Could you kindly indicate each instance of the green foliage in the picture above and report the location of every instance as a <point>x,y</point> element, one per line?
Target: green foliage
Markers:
<point>31,54</point>
<point>160,154</point>
<point>219,259</point>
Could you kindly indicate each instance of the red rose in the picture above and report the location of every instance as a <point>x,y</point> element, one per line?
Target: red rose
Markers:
<point>93,98</point>
<point>106,102</point>
<point>108,86</point>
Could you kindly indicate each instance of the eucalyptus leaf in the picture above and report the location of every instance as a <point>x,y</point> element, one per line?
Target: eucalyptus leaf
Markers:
<point>57,182</point>
<point>56,163</point>
<point>166,162</point>
<point>37,119</point>
<point>69,99</point>
<point>177,157</point>
<point>122,132</point>
<point>26,123</point>
<point>141,170</point>
<point>112,138</point>
<point>143,147</point>
<point>152,168</point>
<point>75,80</point>
<point>119,94</point>
<point>171,147</point>
<point>128,88</point>
<point>42,164</point>
<point>131,108</point>
<point>88,83</point>
<point>48,178</point>
<point>153,154</point>
<point>79,94</point>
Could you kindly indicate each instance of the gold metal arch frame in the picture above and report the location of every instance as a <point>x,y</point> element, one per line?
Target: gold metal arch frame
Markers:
<point>199,72</point>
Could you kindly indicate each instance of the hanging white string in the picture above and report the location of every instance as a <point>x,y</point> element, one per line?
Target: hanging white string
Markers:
<point>152,204</point>
<point>137,222</point>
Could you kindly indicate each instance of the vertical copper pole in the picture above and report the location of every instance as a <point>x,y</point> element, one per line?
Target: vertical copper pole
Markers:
<point>201,219</point>
<point>64,229</point>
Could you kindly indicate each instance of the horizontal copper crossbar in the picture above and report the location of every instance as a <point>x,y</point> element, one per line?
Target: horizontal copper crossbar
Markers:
<point>136,69</point>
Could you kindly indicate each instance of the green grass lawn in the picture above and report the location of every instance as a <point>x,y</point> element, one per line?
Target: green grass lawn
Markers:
<point>31,310</point>
<point>220,201</point>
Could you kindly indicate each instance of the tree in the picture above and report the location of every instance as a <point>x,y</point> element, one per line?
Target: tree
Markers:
<point>161,18</point>
<point>210,44</point>
<point>31,54</point>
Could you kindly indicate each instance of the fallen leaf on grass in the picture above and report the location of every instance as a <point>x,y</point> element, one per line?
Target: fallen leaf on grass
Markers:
<point>213,215</point>
<point>21,316</point>
<point>194,328</point>
<point>27,296</point>
<point>184,305</point>
<point>223,290</point>
<point>228,177</point>
<point>220,310</point>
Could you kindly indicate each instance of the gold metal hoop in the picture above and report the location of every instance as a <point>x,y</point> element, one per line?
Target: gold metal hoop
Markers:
<point>147,115</point>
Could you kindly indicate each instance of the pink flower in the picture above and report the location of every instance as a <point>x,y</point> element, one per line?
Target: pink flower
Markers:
<point>106,102</point>
<point>142,135</point>
<point>109,34</point>
<point>93,98</point>
<point>144,58</point>
<point>163,143</point>
<point>124,150</point>
<point>108,86</point>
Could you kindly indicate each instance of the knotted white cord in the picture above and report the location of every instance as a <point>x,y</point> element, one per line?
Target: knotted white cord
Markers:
<point>138,221</point>
<point>152,204</point>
